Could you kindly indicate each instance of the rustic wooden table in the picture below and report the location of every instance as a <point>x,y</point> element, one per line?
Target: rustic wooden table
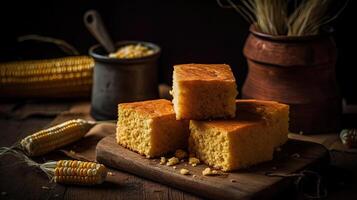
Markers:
<point>19,181</point>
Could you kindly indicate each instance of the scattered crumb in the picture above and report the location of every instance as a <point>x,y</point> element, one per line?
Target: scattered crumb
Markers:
<point>110,174</point>
<point>3,193</point>
<point>182,160</point>
<point>209,172</point>
<point>295,155</point>
<point>193,161</point>
<point>301,133</point>
<point>162,160</point>
<point>185,164</point>
<point>259,109</point>
<point>184,171</point>
<point>172,161</point>
<point>233,180</point>
<point>72,152</point>
<point>180,154</point>
<point>206,171</point>
<point>278,149</point>
<point>174,167</point>
<point>45,188</point>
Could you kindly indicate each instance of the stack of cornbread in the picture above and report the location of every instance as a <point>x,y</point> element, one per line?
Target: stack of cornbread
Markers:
<point>206,118</point>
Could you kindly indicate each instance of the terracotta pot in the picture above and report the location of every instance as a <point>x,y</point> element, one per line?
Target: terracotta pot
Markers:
<point>299,71</point>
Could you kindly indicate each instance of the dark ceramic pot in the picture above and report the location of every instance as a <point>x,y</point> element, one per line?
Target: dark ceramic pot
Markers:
<point>122,80</point>
<point>299,71</point>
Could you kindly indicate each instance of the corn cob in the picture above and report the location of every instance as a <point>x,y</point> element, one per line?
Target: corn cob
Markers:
<point>57,136</point>
<point>76,172</point>
<point>66,171</point>
<point>56,78</point>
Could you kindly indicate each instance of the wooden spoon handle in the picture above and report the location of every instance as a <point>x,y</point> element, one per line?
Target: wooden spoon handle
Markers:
<point>95,25</point>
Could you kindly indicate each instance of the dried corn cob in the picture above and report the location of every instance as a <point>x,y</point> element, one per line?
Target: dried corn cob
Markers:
<point>75,172</point>
<point>67,171</point>
<point>56,78</point>
<point>57,136</point>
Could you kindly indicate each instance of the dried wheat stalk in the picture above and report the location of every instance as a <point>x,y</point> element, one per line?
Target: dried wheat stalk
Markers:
<point>272,17</point>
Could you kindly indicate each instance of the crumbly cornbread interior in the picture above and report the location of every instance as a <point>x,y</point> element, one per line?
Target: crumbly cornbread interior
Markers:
<point>248,139</point>
<point>150,128</point>
<point>203,91</point>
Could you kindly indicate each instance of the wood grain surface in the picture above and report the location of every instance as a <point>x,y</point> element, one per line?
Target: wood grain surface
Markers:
<point>249,183</point>
<point>18,181</point>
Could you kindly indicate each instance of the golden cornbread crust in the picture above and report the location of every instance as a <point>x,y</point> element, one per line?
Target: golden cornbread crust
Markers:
<point>250,138</point>
<point>204,91</point>
<point>150,128</point>
<point>204,72</point>
<point>151,108</point>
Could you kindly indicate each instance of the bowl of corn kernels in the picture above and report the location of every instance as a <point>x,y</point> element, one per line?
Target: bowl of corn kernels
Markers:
<point>127,51</point>
<point>132,51</point>
<point>126,75</point>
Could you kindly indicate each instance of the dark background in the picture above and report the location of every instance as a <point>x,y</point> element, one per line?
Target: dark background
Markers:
<point>189,31</point>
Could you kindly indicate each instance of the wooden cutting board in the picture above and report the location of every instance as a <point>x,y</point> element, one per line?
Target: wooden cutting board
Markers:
<point>294,156</point>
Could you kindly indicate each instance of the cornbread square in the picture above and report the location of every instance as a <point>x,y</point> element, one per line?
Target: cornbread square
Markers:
<point>275,114</point>
<point>248,139</point>
<point>202,91</point>
<point>150,128</point>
